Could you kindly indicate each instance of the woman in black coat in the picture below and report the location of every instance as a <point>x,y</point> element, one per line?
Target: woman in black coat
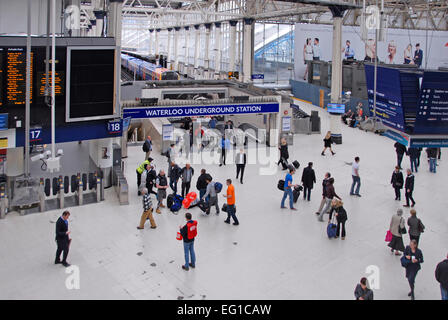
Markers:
<point>397,182</point>
<point>284,154</point>
<point>327,143</point>
<point>341,217</point>
<point>415,257</point>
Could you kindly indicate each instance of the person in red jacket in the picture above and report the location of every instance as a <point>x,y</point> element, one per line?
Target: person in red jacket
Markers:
<point>189,231</point>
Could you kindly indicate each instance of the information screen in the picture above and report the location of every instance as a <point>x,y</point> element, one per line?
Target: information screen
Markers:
<point>16,76</point>
<point>388,96</point>
<point>432,114</point>
<point>1,75</point>
<point>91,84</point>
<point>59,83</point>
<point>336,108</point>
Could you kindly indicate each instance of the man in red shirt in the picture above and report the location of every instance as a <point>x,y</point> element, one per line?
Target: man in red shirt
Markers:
<point>231,203</point>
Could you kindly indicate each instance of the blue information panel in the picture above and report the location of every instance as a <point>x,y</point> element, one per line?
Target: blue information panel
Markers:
<point>432,114</point>
<point>336,108</point>
<point>3,121</point>
<point>388,97</point>
<point>257,76</point>
<point>429,143</point>
<point>191,111</point>
<point>114,127</point>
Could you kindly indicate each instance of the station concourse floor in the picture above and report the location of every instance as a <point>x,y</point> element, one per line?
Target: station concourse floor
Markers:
<point>272,254</point>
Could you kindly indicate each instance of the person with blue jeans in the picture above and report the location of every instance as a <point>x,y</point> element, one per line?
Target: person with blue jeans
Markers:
<point>413,156</point>
<point>188,233</point>
<point>432,156</point>
<point>442,277</point>
<point>288,190</point>
<point>356,178</point>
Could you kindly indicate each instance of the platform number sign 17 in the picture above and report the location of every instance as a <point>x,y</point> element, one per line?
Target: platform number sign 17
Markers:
<point>36,135</point>
<point>114,127</point>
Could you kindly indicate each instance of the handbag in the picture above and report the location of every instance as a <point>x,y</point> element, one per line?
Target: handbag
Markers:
<point>388,236</point>
<point>401,230</point>
<point>404,261</point>
<point>421,227</point>
<point>179,236</point>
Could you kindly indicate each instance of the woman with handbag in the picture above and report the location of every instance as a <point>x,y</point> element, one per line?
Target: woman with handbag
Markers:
<point>341,217</point>
<point>328,141</point>
<point>284,154</point>
<point>416,227</point>
<point>412,259</point>
<point>397,228</point>
<point>397,181</point>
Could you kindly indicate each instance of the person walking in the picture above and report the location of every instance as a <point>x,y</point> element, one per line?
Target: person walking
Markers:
<point>441,274</point>
<point>397,228</point>
<point>413,154</point>
<point>151,177</point>
<point>62,239</point>
<point>211,192</point>
<point>329,195</point>
<point>143,178</point>
<point>186,175</point>
<point>328,140</point>
<point>161,185</point>
<point>230,196</point>
<point>201,184</point>
<point>147,210</point>
<point>324,185</point>
<point>416,227</point>
<point>409,188</point>
<point>341,217</point>
<point>308,181</point>
<point>174,175</point>
<point>288,187</point>
<point>362,292</point>
<point>240,160</point>
<point>400,151</point>
<point>189,232</point>
<point>147,147</point>
<point>139,172</point>
<point>397,182</point>
<point>225,145</point>
<point>356,178</point>
<point>171,154</point>
<point>414,256</point>
<point>432,156</point>
<point>284,154</point>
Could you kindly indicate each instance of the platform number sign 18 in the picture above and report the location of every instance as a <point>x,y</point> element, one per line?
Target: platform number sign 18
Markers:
<point>114,127</point>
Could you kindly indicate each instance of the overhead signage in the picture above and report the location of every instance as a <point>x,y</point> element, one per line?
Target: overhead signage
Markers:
<point>167,132</point>
<point>190,111</point>
<point>35,135</point>
<point>398,136</point>
<point>114,127</point>
<point>432,113</point>
<point>336,108</point>
<point>257,76</point>
<point>429,143</point>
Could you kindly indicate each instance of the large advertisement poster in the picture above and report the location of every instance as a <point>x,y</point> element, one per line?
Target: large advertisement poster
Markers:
<point>313,41</point>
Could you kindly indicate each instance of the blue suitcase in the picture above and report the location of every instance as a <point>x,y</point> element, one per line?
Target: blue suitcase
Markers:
<point>331,230</point>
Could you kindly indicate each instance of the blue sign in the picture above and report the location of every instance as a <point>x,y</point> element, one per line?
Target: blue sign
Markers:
<point>192,111</point>
<point>336,108</point>
<point>397,136</point>
<point>3,121</point>
<point>429,143</point>
<point>257,76</point>
<point>432,112</point>
<point>388,96</point>
<point>35,135</point>
<point>126,123</point>
<point>114,127</point>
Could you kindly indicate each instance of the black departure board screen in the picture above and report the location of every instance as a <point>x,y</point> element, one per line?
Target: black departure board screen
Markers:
<point>90,84</point>
<point>1,75</point>
<point>16,76</point>
<point>58,83</point>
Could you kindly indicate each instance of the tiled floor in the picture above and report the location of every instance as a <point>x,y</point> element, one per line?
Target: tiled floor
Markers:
<point>272,254</point>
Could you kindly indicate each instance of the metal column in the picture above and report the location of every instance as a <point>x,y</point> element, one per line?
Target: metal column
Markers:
<point>187,36</point>
<point>151,46</point>
<point>232,48</point>
<point>99,15</point>
<point>157,44</point>
<point>217,49</point>
<point>248,50</point>
<point>168,51</point>
<point>196,47</point>
<point>207,46</point>
<point>176,48</point>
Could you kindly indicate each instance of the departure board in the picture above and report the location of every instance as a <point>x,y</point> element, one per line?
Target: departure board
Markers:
<point>1,75</point>
<point>16,76</point>
<point>58,83</point>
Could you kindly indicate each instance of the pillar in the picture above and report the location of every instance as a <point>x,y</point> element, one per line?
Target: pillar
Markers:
<point>232,48</point>
<point>336,71</point>
<point>151,46</point>
<point>99,16</point>
<point>176,48</point>
<point>168,51</point>
<point>217,48</point>
<point>187,34</point>
<point>248,49</point>
<point>207,46</point>
<point>92,31</point>
<point>156,52</point>
<point>197,41</point>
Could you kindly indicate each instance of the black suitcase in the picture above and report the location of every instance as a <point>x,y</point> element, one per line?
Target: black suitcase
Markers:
<point>281,185</point>
<point>203,206</point>
<point>170,201</point>
<point>296,193</point>
<point>284,163</point>
<point>296,164</point>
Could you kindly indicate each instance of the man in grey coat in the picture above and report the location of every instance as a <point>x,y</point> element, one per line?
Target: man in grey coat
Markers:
<point>186,175</point>
<point>211,191</point>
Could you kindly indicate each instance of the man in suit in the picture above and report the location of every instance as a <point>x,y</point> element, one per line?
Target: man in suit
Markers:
<point>400,150</point>
<point>62,239</point>
<point>409,188</point>
<point>308,180</point>
<point>418,55</point>
<point>240,161</point>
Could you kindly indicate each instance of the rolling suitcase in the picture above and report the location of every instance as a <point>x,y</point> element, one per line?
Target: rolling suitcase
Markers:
<point>296,193</point>
<point>331,230</point>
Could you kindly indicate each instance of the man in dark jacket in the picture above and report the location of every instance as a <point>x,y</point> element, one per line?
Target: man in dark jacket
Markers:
<point>397,182</point>
<point>324,185</point>
<point>413,154</point>
<point>362,292</point>
<point>186,231</point>
<point>400,150</point>
<point>442,277</point>
<point>308,180</point>
<point>240,161</point>
<point>201,184</point>
<point>432,156</point>
<point>409,188</point>
<point>174,175</point>
<point>62,239</point>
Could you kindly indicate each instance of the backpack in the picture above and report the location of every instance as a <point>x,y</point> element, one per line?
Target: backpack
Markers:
<point>145,146</point>
<point>192,230</point>
<point>218,187</point>
<point>169,201</point>
<point>281,185</point>
<point>177,203</point>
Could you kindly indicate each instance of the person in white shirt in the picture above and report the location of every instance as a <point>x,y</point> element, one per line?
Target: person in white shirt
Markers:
<point>316,49</point>
<point>356,178</point>
<point>240,161</point>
